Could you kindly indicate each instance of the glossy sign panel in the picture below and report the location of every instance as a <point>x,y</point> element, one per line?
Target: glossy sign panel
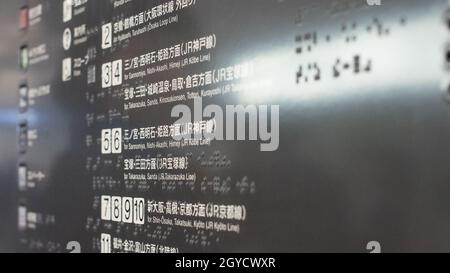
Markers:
<point>227,126</point>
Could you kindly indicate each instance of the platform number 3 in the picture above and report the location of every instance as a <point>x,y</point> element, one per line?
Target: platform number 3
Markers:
<point>111,141</point>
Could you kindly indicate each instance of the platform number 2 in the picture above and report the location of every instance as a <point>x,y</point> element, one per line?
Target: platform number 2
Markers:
<point>106,36</point>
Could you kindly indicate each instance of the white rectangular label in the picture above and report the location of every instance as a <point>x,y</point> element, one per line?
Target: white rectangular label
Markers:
<point>105,243</point>
<point>106,75</point>
<point>106,208</point>
<point>106,141</point>
<point>116,140</point>
<point>116,209</point>
<point>127,210</point>
<point>107,36</point>
<point>139,210</point>
<point>117,73</point>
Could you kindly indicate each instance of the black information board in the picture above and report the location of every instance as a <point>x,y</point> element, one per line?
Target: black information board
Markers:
<point>173,126</point>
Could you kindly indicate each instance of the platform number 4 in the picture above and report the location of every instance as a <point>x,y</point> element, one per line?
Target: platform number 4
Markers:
<point>107,36</point>
<point>117,73</point>
<point>111,141</point>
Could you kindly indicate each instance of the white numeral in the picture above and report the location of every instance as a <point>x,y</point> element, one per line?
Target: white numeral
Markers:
<point>117,141</point>
<point>117,73</point>
<point>106,208</point>
<point>106,75</point>
<point>105,243</point>
<point>139,210</point>
<point>107,36</point>
<point>112,74</point>
<point>112,141</point>
<point>123,209</point>
<point>127,210</point>
<point>116,209</point>
<point>106,141</point>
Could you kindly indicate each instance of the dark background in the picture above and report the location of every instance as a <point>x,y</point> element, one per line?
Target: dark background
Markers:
<point>350,169</point>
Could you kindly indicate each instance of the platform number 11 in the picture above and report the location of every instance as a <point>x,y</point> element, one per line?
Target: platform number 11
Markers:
<point>105,243</point>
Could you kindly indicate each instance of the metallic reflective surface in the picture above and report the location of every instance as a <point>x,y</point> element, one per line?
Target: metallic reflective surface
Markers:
<point>364,124</point>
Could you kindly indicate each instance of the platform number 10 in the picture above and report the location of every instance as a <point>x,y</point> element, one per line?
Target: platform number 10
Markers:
<point>112,74</point>
<point>111,141</point>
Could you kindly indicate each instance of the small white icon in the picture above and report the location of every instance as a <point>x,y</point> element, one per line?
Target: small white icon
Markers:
<point>374,2</point>
<point>23,102</point>
<point>91,78</point>
<point>73,247</point>
<point>67,39</point>
<point>107,36</point>
<point>374,247</point>
<point>67,10</point>
<point>22,177</point>
<point>67,69</point>
<point>105,243</point>
<point>22,217</point>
